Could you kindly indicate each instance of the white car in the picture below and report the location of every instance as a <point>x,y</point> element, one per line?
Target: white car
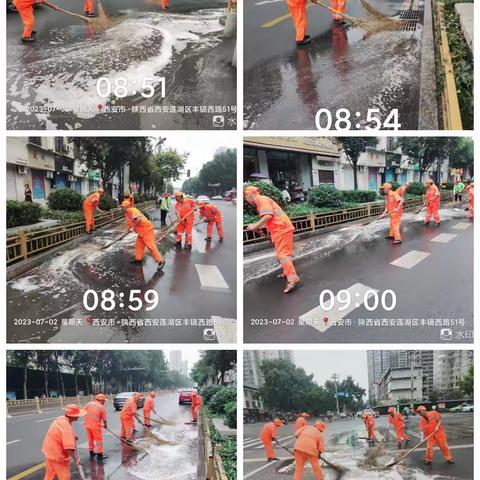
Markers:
<point>203,198</point>
<point>217,197</point>
<point>467,408</point>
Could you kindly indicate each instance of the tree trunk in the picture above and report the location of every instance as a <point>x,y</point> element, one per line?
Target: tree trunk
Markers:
<point>76,382</point>
<point>45,379</point>
<point>25,376</point>
<point>355,179</point>
<point>61,383</point>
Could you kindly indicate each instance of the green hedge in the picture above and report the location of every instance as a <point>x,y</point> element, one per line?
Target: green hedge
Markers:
<point>65,199</point>
<point>217,402</point>
<point>228,453</point>
<point>231,414</point>
<point>358,196</point>
<point>64,217</point>
<point>209,391</point>
<point>107,203</point>
<point>22,213</point>
<point>416,188</point>
<point>265,189</point>
<point>325,196</point>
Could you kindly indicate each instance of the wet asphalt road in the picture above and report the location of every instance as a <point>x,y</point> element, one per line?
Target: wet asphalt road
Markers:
<point>169,462</point>
<point>344,448</point>
<point>286,85</point>
<point>187,307</point>
<point>438,287</point>
<point>184,44</point>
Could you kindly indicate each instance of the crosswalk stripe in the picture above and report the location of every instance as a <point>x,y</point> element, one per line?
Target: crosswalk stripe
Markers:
<point>211,278</point>
<point>358,291</point>
<point>461,226</point>
<point>410,259</point>
<point>443,237</point>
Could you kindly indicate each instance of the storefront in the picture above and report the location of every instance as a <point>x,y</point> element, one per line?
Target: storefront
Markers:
<point>63,172</point>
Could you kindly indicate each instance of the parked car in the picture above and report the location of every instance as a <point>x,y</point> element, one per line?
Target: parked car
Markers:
<point>467,408</point>
<point>121,398</point>
<point>185,395</point>
<point>217,197</point>
<point>203,198</point>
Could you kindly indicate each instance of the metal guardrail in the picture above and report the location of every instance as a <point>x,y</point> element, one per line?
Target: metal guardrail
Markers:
<point>213,462</point>
<point>318,221</point>
<point>452,119</point>
<point>27,244</point>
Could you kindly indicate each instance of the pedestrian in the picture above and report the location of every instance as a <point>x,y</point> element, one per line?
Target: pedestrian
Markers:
<point>95,419</point>
<point>164,208</point>
<point>458,188</point>
<point>432,202</point>
<point>470,192</point>
<point>281,229</point>
<point>402,190</point>
<point>394,208</point>
<point>298,12</point>
<point>268,434</point>
<point>185,208</point>
<point>301,421</point>
<point>25,10</point>
<point>90,206</point>
<point>89,8</point>
<point>196,405</point>
<point>127,415</point>
<point>148,408</point>
<point>60,444</point>
<point>137,222</point>
<point>339,6</point>
<point>369,422</point>
<point>396,419</point>
<point>212,216</point>
<point>431,423</point>
<point>308,447</point>
<point>28,193</point>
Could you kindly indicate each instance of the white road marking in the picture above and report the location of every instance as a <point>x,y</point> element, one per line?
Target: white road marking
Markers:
<point>264,2</point>
<point>12,441</point>
<point>211,278</point>
<point>443,237</point>
<point>258,460</point>
<point>225,329</point>
<point>259,441</point>
<point>358,293</point>
<point>461,226</point>
<point>259,257</point>
<point>46,419</point>
<point>410,259</point>
<point>251,474</point>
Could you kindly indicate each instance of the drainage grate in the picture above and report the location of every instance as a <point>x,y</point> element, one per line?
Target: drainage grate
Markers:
<point>409,20</point>
<point>409,15</point>
<point>408,25</point>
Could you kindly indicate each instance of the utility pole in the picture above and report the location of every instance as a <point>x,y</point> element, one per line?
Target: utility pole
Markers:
<point>411,376</point>
<point>335,379</point>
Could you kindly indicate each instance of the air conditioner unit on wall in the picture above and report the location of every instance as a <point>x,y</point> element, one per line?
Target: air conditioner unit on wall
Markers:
<point>21,170</point>
<point>48,174</point>
<point>71,178</point>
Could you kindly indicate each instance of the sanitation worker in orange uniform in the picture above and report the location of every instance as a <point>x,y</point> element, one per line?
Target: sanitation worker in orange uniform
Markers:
<point>432,202</point>
<point>470,190</point>
<point>298,12</point>
<point>339,6</point>
<point>281,230</point>
<point>196,405</point>
<point>90,205</point>
<point>301,421</point>
<point>137,222</point>
<point>396,419</point>
<point>308,447</point>
<point>393,206</point>
<point>370,426</point>
<point>165,4</point>
<point>25,10</point>
<point>95,419</point>
<point>89,8</point>
<point>402,190</point>
<point>431,422</point>
<point>185,208</point>
<point>212,216</point>
<point>268,434</point>
<point>128,413</point>
<point>59,444</point>
<point>148,408</point>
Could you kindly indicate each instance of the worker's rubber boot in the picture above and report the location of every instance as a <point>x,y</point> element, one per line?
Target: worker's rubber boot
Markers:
<point>34,32</point>
<point>428,462</point>
<point>451,461</point>
<point>426,224</point>
<point>161,265</point>
<point>397,242</point>
<point>188,247</point>
<point>399,445</point>
<point>208,239</point>
<point>437,224</point>
<point>407,441</point>
<point>91,15</point>
<point>389,237</point>
<point>101,457</point>
<point>306,40</point>
<point>92,455</point>
<point>178,244</point>
<point>220,239</point>
<point>27,39</point>
<point>135,261</point>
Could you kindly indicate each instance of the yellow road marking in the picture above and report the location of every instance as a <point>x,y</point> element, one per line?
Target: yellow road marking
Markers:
<point>27,472</point>
<point>277,20</point>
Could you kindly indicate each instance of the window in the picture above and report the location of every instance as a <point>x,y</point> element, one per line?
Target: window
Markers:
<point>59,144</point>
<point>326,176</point>
<point>35,140</point>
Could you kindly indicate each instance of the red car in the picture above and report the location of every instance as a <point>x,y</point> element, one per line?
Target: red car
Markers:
<point>185,395</point>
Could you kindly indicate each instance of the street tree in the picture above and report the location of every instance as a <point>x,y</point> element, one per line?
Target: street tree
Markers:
<point>466,382</point>
<point>23,359</point>
<point>462,157</point>
<point>425,151</point>
<point>213,365</point>
<point>353,147</point>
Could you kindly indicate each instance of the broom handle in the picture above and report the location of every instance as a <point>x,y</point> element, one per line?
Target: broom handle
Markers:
<point>123,235</point>
<point>55,7</point>
<point>333,10</point>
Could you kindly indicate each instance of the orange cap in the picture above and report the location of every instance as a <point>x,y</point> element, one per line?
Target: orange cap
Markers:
<point>125,204</point>
<point>421,408</point>
<point>305,414</point>
<point>100,397</point>
<point>391,410</point>
<point>278,422</point>
<point>74,410</point>
<point>386,185</point>
<point>322,426</point>
<point>178,194</point>
<point>201,204</point>
<point>251,189</point>
<point>153,394</point>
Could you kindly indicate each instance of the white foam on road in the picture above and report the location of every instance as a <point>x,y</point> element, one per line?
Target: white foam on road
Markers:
<point>211,278</point>
<point>443,238</point>
<point>461,226</point>
<point>410,259</point>
<point>358,293</point>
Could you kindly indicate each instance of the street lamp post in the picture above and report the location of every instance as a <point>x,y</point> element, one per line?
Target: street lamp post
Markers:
<point>334,379</point>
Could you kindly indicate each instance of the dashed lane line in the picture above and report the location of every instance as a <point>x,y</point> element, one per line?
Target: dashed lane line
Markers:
<point>410,259</point>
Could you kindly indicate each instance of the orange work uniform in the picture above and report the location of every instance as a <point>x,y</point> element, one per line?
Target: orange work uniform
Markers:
<point>213,216</point>
<point>165,3</point>
<point>392,202</point>
<point>370,424</point>
<point>89,206</point>
<point>401,191</point>
<point>96,414</point>
<point>308,446</point>
<point>148,406</point>
<point>196,404</point>
<point>183,209</point>
<point>339,6</point>
<point>397,421</point>
<point>298,12</point>
<point>146,234</point>
<point>428,426</point>
<point>281,230</point>
<point>267,434</point>
<point>300,422</point>
<point>126,417</point>
<point>25,10</point>
<point>470,201</point>
<point>89,6</point>
<point>432,196</point>
<point>60,437</point>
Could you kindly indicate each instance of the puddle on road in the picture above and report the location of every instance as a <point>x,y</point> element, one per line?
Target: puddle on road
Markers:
<point>64,73</point>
